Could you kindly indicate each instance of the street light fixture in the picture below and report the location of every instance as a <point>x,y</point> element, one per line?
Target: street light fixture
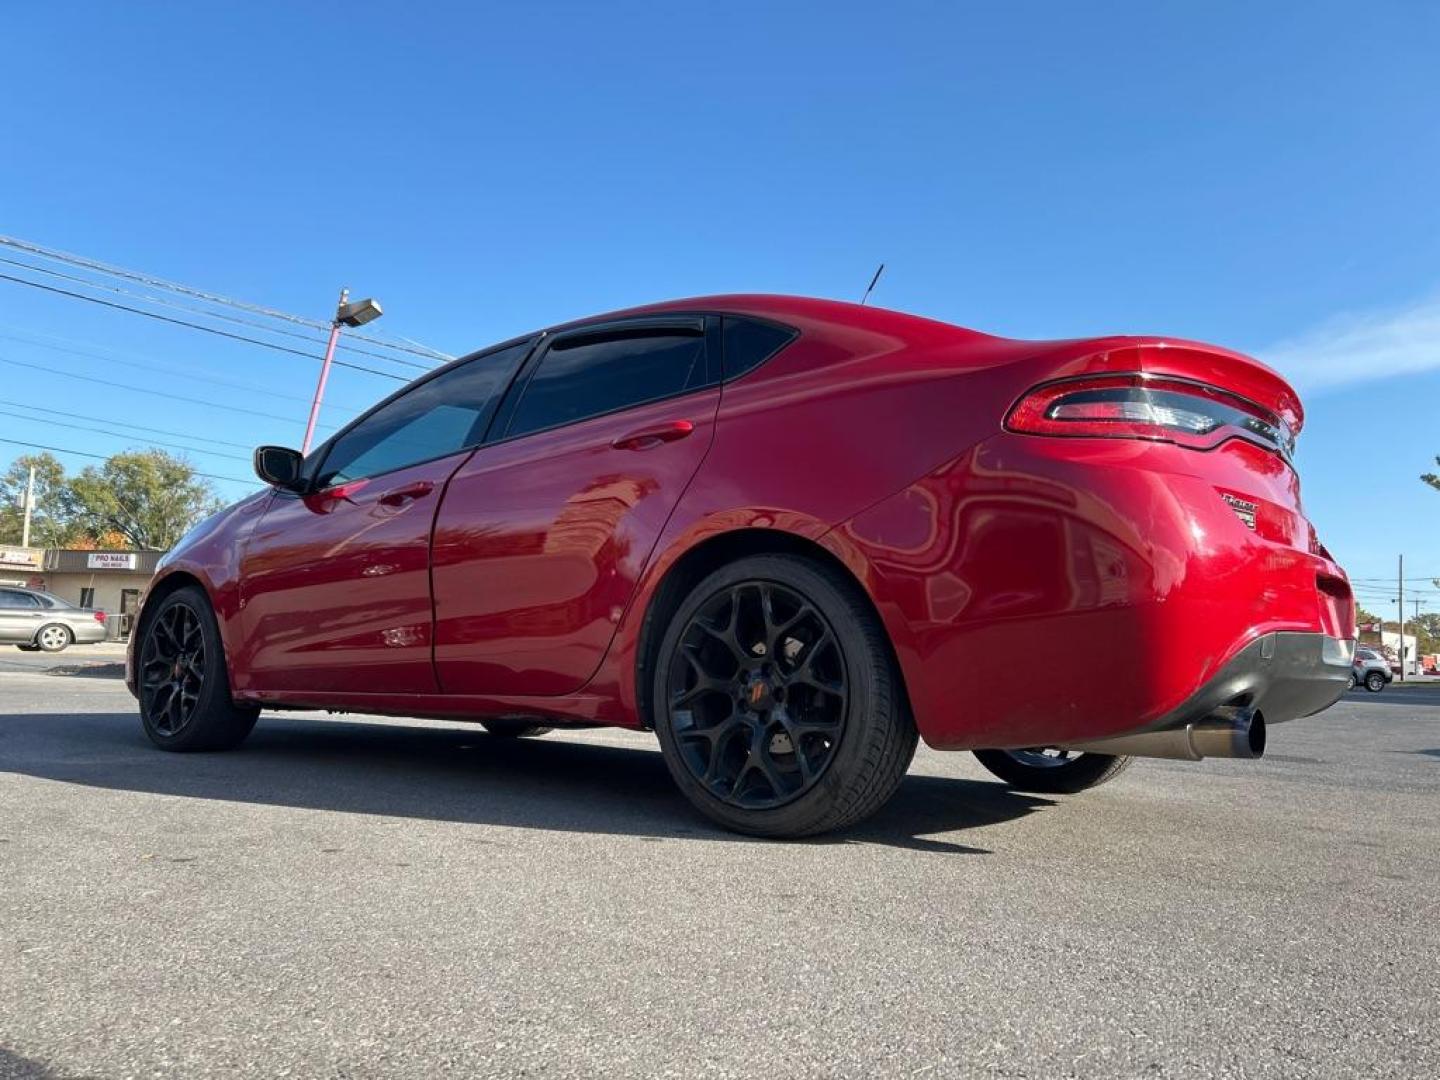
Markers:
<point>347,313</point>
<point>358,313</point>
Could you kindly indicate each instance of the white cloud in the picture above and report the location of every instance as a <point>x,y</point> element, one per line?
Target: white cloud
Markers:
<point>1364,345</point>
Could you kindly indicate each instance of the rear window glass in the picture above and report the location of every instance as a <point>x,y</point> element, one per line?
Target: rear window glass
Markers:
<point>749,343</point>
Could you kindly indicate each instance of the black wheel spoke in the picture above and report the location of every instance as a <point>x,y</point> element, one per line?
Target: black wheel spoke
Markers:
<point>758,694</point>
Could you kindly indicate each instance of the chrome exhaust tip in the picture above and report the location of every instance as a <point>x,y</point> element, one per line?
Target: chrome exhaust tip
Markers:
<point>1230,732</point>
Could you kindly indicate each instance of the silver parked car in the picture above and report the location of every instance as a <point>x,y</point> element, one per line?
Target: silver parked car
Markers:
<point>1370,670</point>
<point>33,620</point>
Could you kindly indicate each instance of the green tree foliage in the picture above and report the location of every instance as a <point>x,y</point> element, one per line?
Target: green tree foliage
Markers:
<point>149,497</point>
<point>141,498</point>
<point>1431,478</point>
<point>49,523</point>
<point>1426,629</point>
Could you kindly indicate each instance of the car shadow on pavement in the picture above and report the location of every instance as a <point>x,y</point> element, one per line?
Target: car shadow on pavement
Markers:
<point>15,1067</point>
<point>457,774</point>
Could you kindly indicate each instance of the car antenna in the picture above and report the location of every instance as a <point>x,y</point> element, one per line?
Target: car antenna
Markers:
<point>869,288</point>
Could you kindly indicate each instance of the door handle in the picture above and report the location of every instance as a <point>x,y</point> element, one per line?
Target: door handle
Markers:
<point>407,493</point>
<point>647,438</point>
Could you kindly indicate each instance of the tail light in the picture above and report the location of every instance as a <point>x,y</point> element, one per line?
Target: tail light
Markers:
<point>99,616</point>
<point>1138,406</point>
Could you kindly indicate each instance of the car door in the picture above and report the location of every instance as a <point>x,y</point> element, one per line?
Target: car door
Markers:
<point>20,615</point>
<point>335,583</point>
<point>544,531</point>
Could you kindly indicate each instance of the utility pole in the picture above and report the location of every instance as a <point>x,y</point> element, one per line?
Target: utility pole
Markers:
<point>29,507</point>
<point>1401,584</point>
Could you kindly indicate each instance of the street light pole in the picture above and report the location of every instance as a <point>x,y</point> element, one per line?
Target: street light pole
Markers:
<point>346,314</point>
<point>324,374</point>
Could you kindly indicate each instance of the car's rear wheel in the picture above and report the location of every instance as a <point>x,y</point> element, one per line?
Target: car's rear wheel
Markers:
<point>777,702</point>
<point>185,701</point>
<point>509,728</point>
<point>1375,682</point>
<point>1052,771</point>
<point>54,638</point>
<point>1351,684</point>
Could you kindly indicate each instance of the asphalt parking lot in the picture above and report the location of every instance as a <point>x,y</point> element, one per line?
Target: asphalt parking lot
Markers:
<point>363,898</point>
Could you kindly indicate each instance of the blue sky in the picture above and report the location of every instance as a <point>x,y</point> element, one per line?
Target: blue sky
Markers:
<point>1260,175</point>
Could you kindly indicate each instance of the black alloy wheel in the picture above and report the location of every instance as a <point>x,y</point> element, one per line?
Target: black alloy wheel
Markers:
<point>1051,770</point>
<point>777,701</point>
<point>758,694</point>
<point>184,689</point>
<point>172,669</point>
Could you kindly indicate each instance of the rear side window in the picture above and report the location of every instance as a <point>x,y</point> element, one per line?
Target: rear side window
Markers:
<point>592,376</point>
<point>438,417</point>
<point>749,343</point>
<point>9,599</point>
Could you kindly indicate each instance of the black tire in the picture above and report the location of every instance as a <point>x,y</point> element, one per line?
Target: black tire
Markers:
<point>815,708</point>
<point>510,728</point>
<point>1375,682</point>
<point>1065,776</point>
<point>1351,685</point>
<point>54,637</point>
<point>185,701</point>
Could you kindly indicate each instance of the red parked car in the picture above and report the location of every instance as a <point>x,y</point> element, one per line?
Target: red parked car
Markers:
<point>781,533</point>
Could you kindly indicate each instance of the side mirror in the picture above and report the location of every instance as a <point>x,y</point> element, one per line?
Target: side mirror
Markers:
<point>280,467</point>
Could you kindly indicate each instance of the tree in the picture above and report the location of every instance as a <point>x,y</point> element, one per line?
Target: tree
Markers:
<point>1431,478</point>
<point>49,522</point>
<point>1426,628</point>
<point>148,497</point>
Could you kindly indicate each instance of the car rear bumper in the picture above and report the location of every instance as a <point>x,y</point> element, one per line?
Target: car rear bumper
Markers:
<point>88,633</point>
<point>1052,591</point>
<point>1282,676</point>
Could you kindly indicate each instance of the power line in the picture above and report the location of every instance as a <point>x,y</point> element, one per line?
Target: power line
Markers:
<point>148,390</point>
<point>160,283</point>
<point>120,435</point>
<point>119,423</point>
<point>104,457</point>
<point>161,302</point>
<point>196,326</point>
<point>111,358</point>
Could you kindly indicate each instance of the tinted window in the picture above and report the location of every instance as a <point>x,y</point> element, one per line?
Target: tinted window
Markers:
<point>748,344</point>
<point>591,377</point>
<point>9,599</point>
<point>440,416</point>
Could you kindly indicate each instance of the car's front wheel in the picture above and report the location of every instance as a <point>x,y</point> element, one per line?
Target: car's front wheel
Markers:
<point>1351,684</point>
<point>1051,771</point>
<point>185,701</point>
<point>1375,682</point>
<point>777,702</point>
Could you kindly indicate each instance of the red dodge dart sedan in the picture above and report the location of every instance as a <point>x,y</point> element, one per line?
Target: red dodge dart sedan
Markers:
<point>789,536</point>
